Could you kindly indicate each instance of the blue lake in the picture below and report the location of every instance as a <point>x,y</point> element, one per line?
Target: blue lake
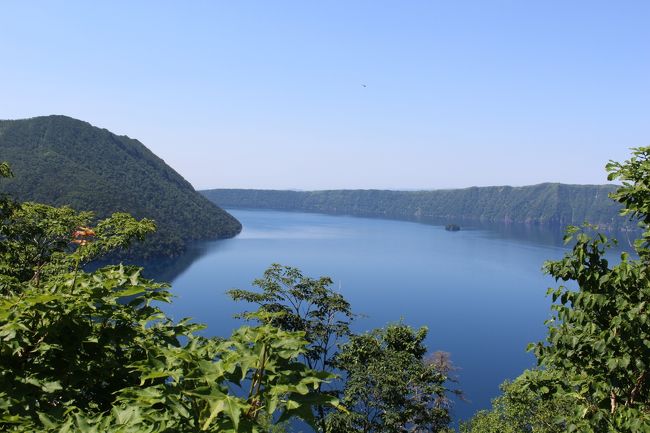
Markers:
<point>480,291</point>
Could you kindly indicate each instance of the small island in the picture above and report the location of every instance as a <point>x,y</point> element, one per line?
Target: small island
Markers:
<point>452,227</point>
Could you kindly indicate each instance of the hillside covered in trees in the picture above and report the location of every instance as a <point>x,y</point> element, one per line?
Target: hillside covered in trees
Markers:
<point>60,161</point>
<point>548,203</point>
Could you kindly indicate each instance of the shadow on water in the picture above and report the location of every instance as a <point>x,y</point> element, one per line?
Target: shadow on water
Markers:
<point>551,236</point>
<point>167,269</point>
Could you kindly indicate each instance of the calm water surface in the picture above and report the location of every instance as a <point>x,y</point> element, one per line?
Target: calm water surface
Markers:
<point>480,292</point>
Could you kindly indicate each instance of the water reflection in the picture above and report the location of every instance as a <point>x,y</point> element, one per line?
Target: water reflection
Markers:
<point>169,268</point>
<point>274,226</point>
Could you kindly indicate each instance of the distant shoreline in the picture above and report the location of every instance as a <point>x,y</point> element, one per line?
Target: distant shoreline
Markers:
<point>549,205</point>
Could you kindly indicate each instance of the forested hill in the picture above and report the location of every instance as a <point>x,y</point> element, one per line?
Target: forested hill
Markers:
<point>63,161</point>
<point>548,203</point>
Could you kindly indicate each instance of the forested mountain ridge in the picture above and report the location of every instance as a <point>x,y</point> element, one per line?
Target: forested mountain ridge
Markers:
<point>59,160</point>
<point>547,203</point>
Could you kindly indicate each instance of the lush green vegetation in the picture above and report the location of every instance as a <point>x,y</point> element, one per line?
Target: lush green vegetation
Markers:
<point>594,363</point>
<point>93,352</point>
<point>549,203</point>
<point>390,384</point>
<point>62,161</point>
<point>521,410</point>
<point>294,302</point>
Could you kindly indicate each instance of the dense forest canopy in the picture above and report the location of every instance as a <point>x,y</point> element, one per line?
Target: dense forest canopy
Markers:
<point>548,203</point>
<point>60,161</point>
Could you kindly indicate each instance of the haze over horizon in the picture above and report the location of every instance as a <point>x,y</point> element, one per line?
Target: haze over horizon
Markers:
<point>386,95</point>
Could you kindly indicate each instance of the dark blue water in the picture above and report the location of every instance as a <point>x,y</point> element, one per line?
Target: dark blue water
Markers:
<point>480,292</point>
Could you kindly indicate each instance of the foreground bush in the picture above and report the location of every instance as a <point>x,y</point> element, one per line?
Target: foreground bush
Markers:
<point>92,351</point>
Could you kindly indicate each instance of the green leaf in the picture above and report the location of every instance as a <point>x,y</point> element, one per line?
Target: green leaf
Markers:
<point>216,407</point>
<point>232,408</point>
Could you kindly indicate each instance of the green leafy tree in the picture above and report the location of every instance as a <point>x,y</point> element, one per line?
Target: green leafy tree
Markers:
<point>69,342</point>
<point>94,351</point>
<point>597,351</point>
<point>390,386</point>
<point>196,393</point>
<point>302,304</point>
<point>5,170</point>
<point>36,236</point>
<point>38,239</point>
<point>520,410</point>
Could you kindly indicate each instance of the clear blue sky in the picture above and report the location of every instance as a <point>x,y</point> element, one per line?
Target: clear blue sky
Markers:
<point>269,94</point>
